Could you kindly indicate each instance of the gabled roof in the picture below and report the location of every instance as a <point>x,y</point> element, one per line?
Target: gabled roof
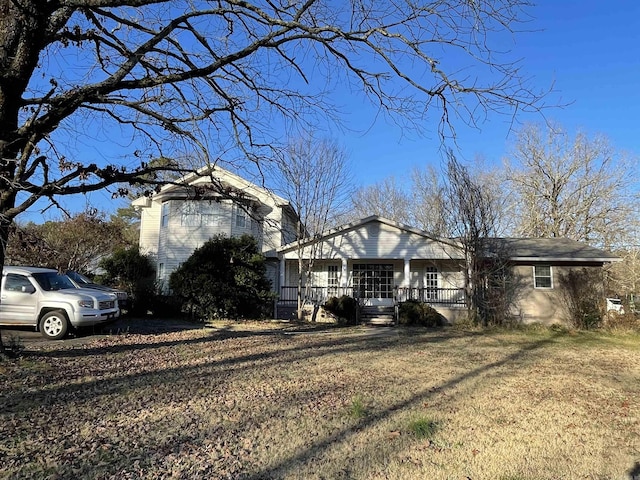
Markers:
<point>364,221</point>
<point>516,249</point>
<point>203,176</point>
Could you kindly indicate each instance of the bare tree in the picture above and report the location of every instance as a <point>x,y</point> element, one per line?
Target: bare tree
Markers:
<point>227,76</point>
<point>472,220</point>
<point>423,203</point>
<point>222,75</point>
<point>570,187</point>
<point>624,277</point>
<point>386,199</point>
<point>314,176</point>
<point>429,207</point>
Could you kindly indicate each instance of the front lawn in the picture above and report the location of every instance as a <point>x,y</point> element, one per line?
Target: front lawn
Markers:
<point>263,403</point>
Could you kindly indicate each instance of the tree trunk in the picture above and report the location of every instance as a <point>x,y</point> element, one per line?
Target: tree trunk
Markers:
<point>300,305</point>
<point>5,225</point>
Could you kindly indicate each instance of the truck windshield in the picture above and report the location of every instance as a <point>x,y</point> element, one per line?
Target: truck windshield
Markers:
<point>78,277</point>
<point>50,281</point>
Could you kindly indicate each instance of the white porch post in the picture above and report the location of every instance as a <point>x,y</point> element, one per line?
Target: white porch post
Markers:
<point>344,275</point>
<point>282,274</point>
<point>406,281</point>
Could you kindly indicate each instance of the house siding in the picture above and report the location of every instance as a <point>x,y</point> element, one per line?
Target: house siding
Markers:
<point>150,229</point>
<point>543,305</point>
<point>173,243</point>
<point>378,240</point>
<point>177,242</point>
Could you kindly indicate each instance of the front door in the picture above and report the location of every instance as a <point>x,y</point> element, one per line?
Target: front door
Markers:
<point>373,283</point>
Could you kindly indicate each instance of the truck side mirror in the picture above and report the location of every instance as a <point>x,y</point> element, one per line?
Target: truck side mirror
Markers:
<point>28,289</point>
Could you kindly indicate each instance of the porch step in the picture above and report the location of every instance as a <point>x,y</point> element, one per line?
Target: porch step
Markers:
<point>378,315</point>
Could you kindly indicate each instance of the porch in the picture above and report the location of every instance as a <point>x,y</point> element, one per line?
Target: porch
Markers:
<point>318,295</point>
<point>380,310</point>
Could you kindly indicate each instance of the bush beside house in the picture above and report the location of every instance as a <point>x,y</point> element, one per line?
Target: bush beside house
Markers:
<point>415,313</point>
<point>225,278</point>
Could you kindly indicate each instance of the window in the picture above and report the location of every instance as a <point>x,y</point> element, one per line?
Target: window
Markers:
<point>373,280</point>
<point>542,277</point>
<point>332,280</point>
<point>189,214</point>
<point>241,218</point>
<point>431,283</point>
<point>164,219</point>
<point>199,214</point>
<point>15,282</point>
<point>209,215</point>
<point>161,271</point>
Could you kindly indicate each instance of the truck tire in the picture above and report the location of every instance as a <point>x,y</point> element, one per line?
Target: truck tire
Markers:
<point>54,325</point>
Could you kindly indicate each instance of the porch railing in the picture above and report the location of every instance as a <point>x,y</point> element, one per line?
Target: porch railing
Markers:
<point>319,295</point>
<point>441,296</point>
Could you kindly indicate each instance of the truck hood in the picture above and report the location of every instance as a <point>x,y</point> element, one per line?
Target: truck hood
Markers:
<point>78,293</point>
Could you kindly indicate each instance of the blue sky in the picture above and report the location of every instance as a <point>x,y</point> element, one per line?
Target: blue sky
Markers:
<point>588,50</point>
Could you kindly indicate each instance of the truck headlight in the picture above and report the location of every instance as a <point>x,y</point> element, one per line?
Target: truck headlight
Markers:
<point>85,303</point>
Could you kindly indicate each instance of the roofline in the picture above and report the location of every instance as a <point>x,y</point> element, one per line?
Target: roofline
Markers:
<point>204,172</point>
<point>347,226</point>
<point>566,259</point>
<point>447,241</point>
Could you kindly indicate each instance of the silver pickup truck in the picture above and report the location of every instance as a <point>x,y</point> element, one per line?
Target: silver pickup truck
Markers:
<point>48,301</point>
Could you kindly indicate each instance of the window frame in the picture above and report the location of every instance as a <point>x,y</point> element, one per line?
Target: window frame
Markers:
<point>333,279</point>
<point>190,214</point>
<point>161,271</point>
<point>373,280</point>
<point>537,277</point>
<point>240,215</point>
<point>165,210</point>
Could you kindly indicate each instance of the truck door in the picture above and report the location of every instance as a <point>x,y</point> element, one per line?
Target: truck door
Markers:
<point>18,301</point>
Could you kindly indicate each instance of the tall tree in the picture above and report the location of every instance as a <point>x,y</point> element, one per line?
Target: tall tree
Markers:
<point>314,176</point>
<point>227,76</point>
<point>472,217</point>
<point>423,203</point>
<point>386,198</point>
<point>76,243</point>
<point>574,187</point>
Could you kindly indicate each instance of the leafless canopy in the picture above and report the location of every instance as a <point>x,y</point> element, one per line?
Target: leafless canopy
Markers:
<point>575,187</point>
<point>228,76</point>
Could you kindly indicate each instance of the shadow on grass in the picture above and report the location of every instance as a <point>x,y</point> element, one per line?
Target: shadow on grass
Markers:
<point>287,352</point>
<point>316,348</point>
<point>317,448</point>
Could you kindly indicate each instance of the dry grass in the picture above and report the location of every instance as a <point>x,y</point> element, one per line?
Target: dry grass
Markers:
<point>252,403</point>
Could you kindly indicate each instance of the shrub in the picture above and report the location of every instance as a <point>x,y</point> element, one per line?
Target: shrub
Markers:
<point>414,312</point>
<point>625,322</point>
<point>134,272</point>
<point>225,278</point>
<point>345,308</point>
<point>582,297</point>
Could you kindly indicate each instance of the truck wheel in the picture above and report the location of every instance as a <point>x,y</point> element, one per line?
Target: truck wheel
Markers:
<point>54,325</point>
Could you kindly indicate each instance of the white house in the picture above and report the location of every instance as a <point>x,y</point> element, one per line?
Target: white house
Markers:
<point>377,261</point>
<point>382,263</point>
<point>182,216</point>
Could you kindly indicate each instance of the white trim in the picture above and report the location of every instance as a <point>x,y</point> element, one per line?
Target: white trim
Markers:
<point>533,267</point>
